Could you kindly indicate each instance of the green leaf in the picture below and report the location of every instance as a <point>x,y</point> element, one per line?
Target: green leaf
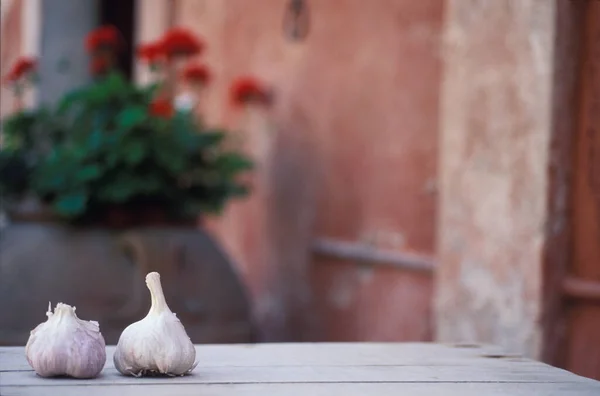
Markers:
<point>212,136</point>
<point>169,157</point>
<point>135,152</point>
<point>69,99</point>
<point>112,158</point>
<point>231,163</point>
<point>97,95</point>
<point>89,172</point>
<point>95,140</point>
<point>71,204</point>
<point>56,182</point>
<point>115,82</point>
<point>131,117</point>
<point>151,184</point>
<point>119,190</point>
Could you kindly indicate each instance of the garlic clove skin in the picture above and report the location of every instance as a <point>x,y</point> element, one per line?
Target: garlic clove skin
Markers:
<point>157,344</point>
<point>65,345</point>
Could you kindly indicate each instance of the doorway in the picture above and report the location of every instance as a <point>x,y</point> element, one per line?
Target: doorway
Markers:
<point>121,14</point>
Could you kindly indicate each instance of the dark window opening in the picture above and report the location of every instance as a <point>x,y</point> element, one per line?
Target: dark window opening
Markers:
<point>121,14</point>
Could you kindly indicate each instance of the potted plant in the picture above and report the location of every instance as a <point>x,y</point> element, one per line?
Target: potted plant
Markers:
<point>118,172</point>
<point>113,148</point>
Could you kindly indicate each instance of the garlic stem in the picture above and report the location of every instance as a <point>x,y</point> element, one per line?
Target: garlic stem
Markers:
<point>159,304</point>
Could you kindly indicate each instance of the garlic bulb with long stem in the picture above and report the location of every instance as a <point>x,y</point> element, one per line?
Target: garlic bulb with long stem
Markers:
<point>65,345</point>
<point>157,344</point>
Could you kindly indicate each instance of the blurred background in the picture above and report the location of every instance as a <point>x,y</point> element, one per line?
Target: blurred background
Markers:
<point>426,171</point>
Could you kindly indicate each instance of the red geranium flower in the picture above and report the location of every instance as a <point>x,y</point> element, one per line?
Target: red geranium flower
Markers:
<point>248,89</point>
<point>105,37</point>
<point>99,65</point>
<point>22,66</point>
<point>162,108</point>
<point>196,72</point>
<point>179,41</point>
<point>151,53</point>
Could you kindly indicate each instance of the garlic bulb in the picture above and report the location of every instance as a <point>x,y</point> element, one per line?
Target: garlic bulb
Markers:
<point>66,345</point>
<point>157,344</point>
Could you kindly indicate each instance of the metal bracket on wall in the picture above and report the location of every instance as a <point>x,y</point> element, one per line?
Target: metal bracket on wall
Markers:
<point>366,254</point>
<point>581,289</point>
<point>296,20</point>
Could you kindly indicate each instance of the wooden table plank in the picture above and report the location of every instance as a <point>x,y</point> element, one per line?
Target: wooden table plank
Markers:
<point>331,389</point>
<point>320,354</point>
<point>329,368</point>
<point>323,374</point>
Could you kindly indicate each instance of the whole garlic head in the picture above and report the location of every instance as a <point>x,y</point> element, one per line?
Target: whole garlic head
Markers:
<point>66,345</point>
<point>157,344</point>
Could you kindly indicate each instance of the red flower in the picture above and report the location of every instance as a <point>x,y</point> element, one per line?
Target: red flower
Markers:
<point>151,53</point>
<point>21,67</point>
<point>197,73</point>
<point>105,37</point>
<point>162,108</point>
<point>179,41</point>
<point>99,65</point>
<point>248,89</point>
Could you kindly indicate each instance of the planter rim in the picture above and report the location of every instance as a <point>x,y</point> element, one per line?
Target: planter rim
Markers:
<point>131,220</point>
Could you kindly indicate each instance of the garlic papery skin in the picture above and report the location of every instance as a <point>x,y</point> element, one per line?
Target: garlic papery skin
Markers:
<point>65,345</point>
<point>157,344</point>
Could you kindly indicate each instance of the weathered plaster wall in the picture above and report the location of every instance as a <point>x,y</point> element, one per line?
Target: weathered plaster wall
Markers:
<point>495,137</point>
<point>350,152</point>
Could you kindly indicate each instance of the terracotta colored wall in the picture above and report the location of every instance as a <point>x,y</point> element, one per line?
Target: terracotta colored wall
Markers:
<point>10,47</point>
<point>349,150</point>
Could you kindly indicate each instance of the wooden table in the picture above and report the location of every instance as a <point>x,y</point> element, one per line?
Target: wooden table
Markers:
<point>370,369</point>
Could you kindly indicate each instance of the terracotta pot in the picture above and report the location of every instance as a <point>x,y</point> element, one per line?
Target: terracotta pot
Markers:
<point>30,209</point>
<point>101,272</point>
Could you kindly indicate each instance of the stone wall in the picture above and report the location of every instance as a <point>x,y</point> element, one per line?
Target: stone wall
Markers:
<point>496,134</point>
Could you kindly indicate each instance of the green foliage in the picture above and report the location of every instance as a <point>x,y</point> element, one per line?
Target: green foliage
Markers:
<point>27,138</point>
<point>14,173</point>
<point>101,147</point>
